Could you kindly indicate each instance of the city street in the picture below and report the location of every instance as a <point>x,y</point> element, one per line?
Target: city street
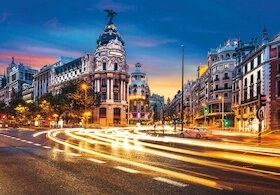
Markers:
<point>130,161</point>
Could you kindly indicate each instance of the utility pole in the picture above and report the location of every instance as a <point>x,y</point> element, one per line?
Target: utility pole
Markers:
<point>182,96</point>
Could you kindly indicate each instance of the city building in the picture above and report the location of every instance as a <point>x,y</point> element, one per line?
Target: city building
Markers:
<point>28,93</point>
<point>110,77</point>
<point>42,79</point>
<point>221,63</point>
<point>80,68</point>
<point>17,76</point>
<point>274,83</point>
<point>157,106</point>
<point>139,97</point>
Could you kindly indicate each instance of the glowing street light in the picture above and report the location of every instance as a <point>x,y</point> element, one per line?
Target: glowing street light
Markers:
<point>84,86</point>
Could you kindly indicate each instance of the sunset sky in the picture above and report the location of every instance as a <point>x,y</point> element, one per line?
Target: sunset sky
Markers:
<point>37,32</point>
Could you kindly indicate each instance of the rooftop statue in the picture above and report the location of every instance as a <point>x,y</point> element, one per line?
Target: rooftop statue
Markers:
<point>111,14</point>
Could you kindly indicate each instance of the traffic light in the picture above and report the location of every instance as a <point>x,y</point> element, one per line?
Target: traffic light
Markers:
<point>261,100</point>
<point>226,122</point>
<point>206,110</point>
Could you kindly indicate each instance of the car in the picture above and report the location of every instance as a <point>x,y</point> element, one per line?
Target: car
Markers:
<point>3,125</point>
<point>195,132</point>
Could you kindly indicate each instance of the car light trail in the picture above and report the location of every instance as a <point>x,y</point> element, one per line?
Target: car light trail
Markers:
<point>189,178</point>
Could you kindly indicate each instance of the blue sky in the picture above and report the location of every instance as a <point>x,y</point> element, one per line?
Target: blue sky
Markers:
<point>37,32</point>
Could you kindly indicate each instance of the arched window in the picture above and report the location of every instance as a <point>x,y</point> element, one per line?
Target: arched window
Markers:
<point>104,65</point>
<point>227,56</point>
<point>115,66</point>
<point>222,57</point>
<point>234,55</point>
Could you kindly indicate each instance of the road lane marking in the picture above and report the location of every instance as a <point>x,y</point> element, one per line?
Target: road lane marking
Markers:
<point>37,144</point>
<point>29,142</point>
<point>23,140</point>
<point>47,147</point>
<point>96,161</point>
<point>58,150</point>
<point>17,139</point>
<point>172,182</point>
<point>126,169</point>
<point>73,154</point>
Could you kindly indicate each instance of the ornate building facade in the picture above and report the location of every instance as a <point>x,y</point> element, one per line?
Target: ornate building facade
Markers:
<point>110,77</point>
<point>139,94</point>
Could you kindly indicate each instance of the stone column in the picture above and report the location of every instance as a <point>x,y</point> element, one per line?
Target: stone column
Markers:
<point>112,95</point>
<point>108,90</point>
<point>121,90</point>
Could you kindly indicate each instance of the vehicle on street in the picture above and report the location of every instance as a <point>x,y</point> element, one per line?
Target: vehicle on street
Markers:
<point>4,125</point>
<point>195,132</point>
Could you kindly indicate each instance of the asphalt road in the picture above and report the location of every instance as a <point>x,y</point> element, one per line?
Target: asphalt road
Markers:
<point>63,164</point>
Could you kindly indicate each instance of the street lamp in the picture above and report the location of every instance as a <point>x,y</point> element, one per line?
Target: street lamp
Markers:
<point>223,102</point>
<point>182,96</point>
<point>84,86</point>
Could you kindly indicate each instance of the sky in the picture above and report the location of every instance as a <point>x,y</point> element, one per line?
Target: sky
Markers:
<point>38,32</point>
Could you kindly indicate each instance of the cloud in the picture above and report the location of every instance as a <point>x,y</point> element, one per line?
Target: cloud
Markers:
<point>148,41</point>
<point>36,61</point>
<point>109,4</point>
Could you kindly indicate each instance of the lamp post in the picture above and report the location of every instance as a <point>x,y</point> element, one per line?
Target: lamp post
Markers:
<point>223,102</point>
<point>84,86</point>
<point>182,96</point>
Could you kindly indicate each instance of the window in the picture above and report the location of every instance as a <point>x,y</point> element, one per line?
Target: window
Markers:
<point>102,113</point>
<point>278,68</point>
<point>252,79</point>
<point>226,85</point>
<point>217,78</point>
<point>226,75</point>
<point>259,59</point>
<point>245,82</point>
<point>245,68</point>
<point>278,88</point>
<point>116,96</point>
<point>217,87</point>
<point>259,75</point>
<point>226,95</point>
<point>103,83</point>
<point>104,65</point>
<point>252,64</point>
<point>116,82</point>
<point>103,96</point>
<point>115,66</point>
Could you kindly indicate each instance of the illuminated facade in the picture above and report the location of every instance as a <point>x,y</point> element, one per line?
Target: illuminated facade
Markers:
<point>110,78</point>
<point>139,94</point>
<point>17,76</point>
<point>221,63</point>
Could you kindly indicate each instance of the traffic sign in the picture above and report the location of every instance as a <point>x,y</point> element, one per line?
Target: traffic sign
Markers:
<point>260,114</point>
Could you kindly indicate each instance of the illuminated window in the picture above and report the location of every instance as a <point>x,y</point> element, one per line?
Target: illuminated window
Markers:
<point>226,65</point>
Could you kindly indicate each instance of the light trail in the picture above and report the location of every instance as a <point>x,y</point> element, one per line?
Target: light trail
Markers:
<point>181,176</point>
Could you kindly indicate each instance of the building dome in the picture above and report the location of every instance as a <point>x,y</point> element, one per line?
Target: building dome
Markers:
<point>110,33</point>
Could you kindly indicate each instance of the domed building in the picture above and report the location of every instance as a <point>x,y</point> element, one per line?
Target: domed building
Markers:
<point>110,77</point>
<point>139,93</point>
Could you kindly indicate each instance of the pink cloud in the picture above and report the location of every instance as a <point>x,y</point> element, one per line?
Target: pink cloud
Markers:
<point>148,41</point>
<point>36,61</point>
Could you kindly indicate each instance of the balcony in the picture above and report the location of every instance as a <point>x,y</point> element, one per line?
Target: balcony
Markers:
<point>222,88</point>
<point>225,78</point>
<point>216,79</point>
<point>249,100</point>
